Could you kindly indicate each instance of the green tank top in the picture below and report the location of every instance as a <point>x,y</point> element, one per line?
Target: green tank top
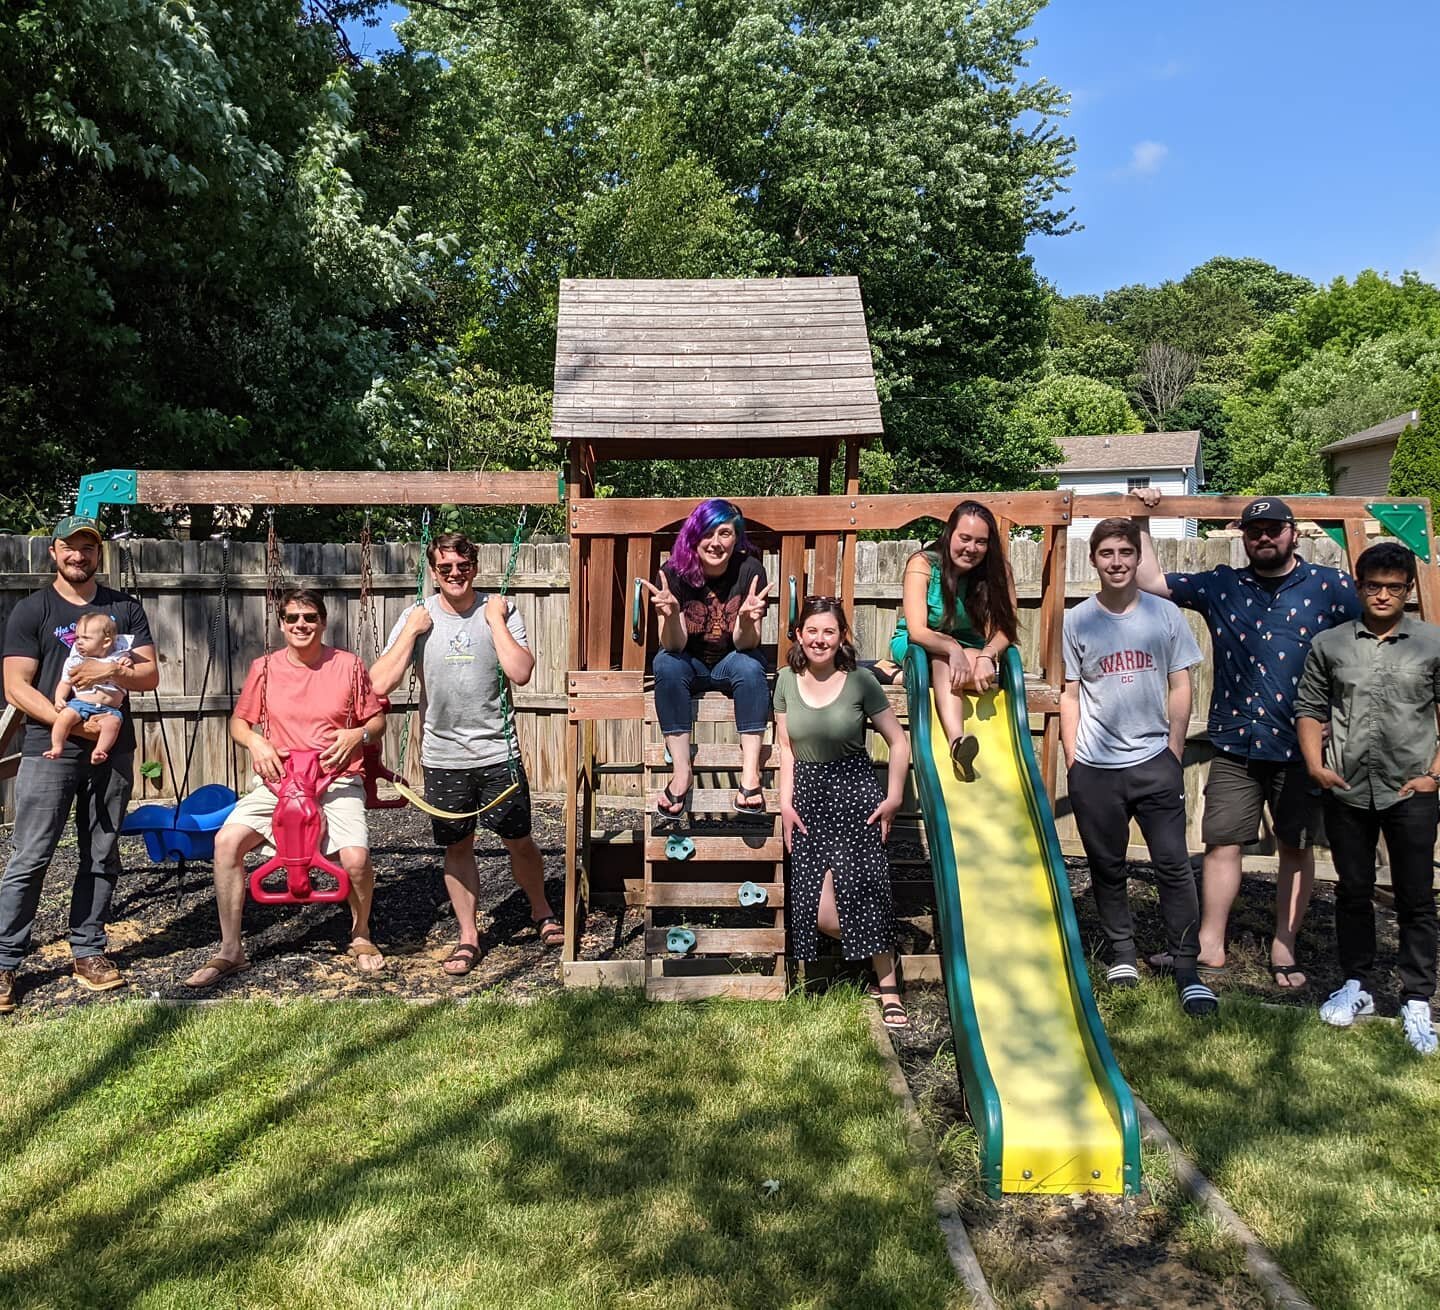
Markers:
<point>956,625</point>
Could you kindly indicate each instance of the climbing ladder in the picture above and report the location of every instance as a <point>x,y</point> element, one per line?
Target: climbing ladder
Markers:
<point>715,865</point>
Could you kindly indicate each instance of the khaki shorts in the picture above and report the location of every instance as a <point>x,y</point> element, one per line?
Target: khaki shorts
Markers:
<point>342,803</point>
<point>1238,790</point>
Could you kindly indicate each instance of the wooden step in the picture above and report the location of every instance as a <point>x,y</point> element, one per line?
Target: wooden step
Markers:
<point>761,848</point>
<point>704,800</point>
<point>712,707</point>
<point>709,895</point>
<point>720,941</point>
<point>734,986</point>
<point>712,755</point>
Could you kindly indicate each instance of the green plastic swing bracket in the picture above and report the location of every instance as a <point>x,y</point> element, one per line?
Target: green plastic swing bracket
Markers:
<point>112,487</point>
<point>636,634</point>
<point>1335,532</point>
<point>794,606</point>
<point>1408,523</point>
<point>560,486</point>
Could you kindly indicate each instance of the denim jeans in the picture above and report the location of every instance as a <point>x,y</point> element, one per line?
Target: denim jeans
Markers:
<point>44,792</point>
<point>739,674</point>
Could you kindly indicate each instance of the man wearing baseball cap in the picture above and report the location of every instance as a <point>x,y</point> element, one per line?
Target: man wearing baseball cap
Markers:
<point>38,638</point>
<point>1262,619</point>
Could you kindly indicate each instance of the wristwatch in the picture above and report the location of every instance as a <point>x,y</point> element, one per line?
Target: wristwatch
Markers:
<point>364,736</point>
<point>1432,775</point>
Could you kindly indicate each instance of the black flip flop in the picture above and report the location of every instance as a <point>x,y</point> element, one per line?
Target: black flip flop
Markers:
<point>1283,971</point>
<point>892,1013</point>
<point>745,793</point>
<point>681,803</point>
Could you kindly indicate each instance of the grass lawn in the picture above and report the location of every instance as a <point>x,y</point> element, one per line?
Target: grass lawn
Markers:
<point>586,1150</point>
<point>1326,1142</point>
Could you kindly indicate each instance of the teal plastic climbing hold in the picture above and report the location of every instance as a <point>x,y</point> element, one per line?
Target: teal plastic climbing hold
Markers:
<point>679,848</point>
<point>679,941</point>
<point>1408,523</point>
<point>751,894</point>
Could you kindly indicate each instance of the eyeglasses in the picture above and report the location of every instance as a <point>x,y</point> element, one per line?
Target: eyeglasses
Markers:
<point>309,616</point>
<point>1258,530</point>
<point>1389,588</point>
<point>460,570</point>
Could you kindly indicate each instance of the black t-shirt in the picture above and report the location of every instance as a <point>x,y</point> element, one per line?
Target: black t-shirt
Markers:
<point>42,627</point>
<point>711,608</point>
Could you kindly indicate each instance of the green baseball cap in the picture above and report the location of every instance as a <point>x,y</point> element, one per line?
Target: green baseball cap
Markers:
<point>72,524</point>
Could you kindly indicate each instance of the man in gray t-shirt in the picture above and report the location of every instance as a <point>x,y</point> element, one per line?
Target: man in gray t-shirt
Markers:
<point>1123,717</point>
<point>460,643</point>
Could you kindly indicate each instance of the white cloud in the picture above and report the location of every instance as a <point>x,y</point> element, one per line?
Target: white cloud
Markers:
<point>1145,159</point>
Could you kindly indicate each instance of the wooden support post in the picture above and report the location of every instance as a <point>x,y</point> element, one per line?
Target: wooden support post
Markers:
<point>792,564</point>
<point>1355,540</point>
<point>577,809</point>
<point>847,558</point>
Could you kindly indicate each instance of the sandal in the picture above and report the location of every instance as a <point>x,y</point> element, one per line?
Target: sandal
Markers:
<point>892,1013</point>
<point>362,948</point>
<point>743,794</point>
<point>1282,974</point>
<point>670,806</point>
<point>551,931</point>
<point>963,751</point>
<point>468,956</point>
<point>223,969</point>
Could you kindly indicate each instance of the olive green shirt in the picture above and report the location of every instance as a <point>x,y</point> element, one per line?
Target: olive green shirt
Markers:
<point>1379,698</point>
<point>833,731</point>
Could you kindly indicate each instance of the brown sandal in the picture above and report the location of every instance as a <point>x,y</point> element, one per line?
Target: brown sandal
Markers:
<point>468,955</point>
<point>551,931</point>
<point>223,969</point>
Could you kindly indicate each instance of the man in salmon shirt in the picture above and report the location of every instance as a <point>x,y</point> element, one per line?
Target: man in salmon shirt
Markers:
<point>304,696</point>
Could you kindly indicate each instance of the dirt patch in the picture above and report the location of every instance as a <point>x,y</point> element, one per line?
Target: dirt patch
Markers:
<point>163,926</point>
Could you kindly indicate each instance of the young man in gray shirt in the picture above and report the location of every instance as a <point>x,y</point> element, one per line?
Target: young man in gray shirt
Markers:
<point>460,643</point>
<point>1123,716</point>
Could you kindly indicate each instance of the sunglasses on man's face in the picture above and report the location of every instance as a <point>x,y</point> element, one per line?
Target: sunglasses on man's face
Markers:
<point>459,570</point>
<point>1272,530</point>
<point>309,616</point>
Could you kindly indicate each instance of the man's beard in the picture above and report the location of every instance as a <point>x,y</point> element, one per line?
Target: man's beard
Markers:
<point>78,572</point>
<point>1277,559</point>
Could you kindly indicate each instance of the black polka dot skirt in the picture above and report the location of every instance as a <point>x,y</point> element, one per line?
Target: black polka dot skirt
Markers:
<point>833,801</point>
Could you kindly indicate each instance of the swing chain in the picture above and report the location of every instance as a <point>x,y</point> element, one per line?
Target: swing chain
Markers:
<point>507,706</point>
<point>367,588</point>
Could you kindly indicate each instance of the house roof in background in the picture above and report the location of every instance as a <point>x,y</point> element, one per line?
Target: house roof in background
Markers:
<point>1389,430</point>
<point>720,367</point>
<point>1128,450</point>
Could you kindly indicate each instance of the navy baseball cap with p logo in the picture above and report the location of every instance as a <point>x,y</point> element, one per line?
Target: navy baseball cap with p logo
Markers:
<point>1266,511</point>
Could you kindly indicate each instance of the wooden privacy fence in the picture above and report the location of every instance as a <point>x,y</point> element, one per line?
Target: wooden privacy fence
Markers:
<point>180,585</point>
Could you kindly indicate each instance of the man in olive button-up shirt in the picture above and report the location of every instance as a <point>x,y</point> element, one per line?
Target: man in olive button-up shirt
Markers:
<point>1376,681</point>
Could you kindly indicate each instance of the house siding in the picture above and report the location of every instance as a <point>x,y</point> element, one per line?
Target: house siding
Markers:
<point>1363,471</point>
<point>1170,482</point>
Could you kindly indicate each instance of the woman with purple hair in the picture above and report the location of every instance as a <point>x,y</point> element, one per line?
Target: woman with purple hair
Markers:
<point>710,601</point>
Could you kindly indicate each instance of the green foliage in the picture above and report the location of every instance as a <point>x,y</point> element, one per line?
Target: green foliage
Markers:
<point>1202,409</point>
<point>189,275</point>
<point>646,138</point>
<point>1415,467</point>
<point>1065,405</point>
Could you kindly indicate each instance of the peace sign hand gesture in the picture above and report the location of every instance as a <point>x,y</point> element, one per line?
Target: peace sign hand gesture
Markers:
<point>662,600</point>
<point>752,608</point>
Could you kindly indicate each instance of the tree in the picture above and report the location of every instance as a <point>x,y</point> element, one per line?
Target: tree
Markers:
<point>1162,378</point>
<point>894,141</point>
<point>1415,467</point>
<point>1064,405</point>
<point>189,277</point>
<point>1202,410</point>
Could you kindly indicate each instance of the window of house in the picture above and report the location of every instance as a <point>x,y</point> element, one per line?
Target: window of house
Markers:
<point>1136,484</point>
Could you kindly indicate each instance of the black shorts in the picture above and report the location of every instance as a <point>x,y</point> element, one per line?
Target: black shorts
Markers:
<point>1237,792</point>
<point>462,790</point>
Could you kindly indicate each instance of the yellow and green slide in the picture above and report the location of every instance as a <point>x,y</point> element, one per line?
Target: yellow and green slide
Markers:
<point>1048,1101</point>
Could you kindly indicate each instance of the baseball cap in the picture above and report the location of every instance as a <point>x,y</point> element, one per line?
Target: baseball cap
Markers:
<point>1266,511</point>
<point>74,523</point>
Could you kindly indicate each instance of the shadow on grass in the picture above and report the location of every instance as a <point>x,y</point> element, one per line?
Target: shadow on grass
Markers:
<point>620,1154</point>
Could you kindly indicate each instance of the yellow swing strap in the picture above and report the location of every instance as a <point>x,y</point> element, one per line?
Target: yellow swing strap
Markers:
<point>420,803</point>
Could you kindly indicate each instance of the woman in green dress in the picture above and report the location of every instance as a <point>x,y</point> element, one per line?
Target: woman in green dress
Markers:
<point>959,607</point>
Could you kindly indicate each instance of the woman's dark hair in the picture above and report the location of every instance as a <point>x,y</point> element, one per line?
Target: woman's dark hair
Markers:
<point>1385,557</point>
<point>987,594</point>
<point>844,653</point>
<point>305,597</point>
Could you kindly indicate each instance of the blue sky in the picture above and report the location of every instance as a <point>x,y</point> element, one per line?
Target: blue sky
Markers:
<point>1298,131</point>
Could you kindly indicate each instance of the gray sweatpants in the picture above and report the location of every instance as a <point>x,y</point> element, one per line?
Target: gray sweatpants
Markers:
<point>44,792</point>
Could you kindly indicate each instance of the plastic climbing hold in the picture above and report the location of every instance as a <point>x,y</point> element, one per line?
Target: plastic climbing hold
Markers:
<point>1408,523</point>
<point>679,848</point>
<point>751,894</point>
<point>679,941</point>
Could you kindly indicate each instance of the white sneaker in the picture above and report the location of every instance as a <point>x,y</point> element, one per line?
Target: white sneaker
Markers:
<point>1340,1008</point>
<point>1419,1031</point>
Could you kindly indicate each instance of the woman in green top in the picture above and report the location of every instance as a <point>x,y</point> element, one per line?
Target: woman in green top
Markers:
<point>836,818</point>
<point>959,606</point>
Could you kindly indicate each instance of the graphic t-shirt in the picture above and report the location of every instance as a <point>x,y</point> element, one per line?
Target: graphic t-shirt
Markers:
<point>1123,664</point>
<point>832,731</point>
<point>460,687</point>
<point>42,628</point>
<point>711,608</point>
<point>306,707</point>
